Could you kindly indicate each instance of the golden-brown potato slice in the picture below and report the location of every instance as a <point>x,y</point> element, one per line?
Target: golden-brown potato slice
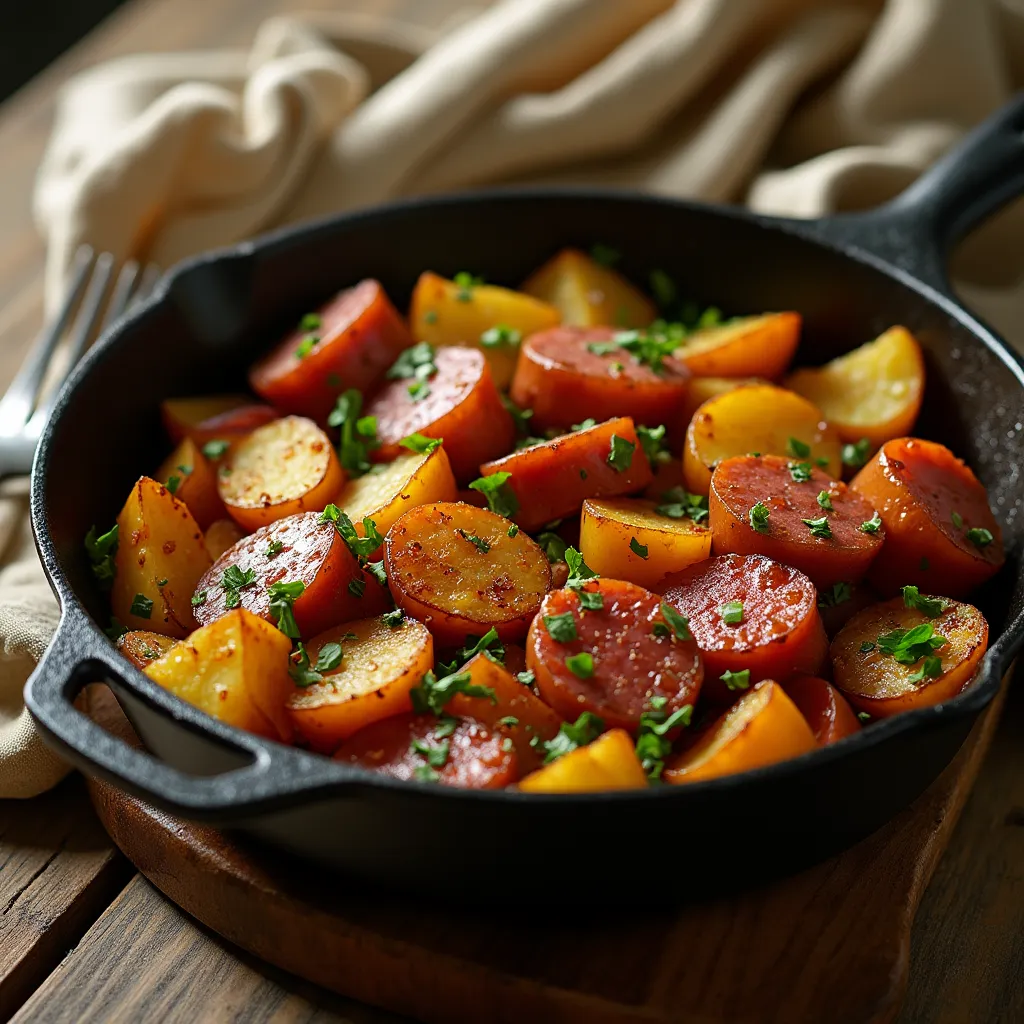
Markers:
<point>446,313</point>
<point>235,669</point>
<point>703,388</point>
<point>461,570</point>
<point>221,535</point>
<point>287,467</point>
<point>626,539</point>
<point>875,681</point>
<point>380,664</point>
<point>390,489</point>
<point>191,479</point>
<point>141,647</point>
<point>588,294</point>
<point>160,558</point>
<point>764,726</point>
<point>610,762</point>
<point>875,391</point>
<point>759,419</point>
<point>750,346</point>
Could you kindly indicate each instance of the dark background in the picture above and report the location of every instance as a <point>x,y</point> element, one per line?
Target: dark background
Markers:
<point>34,32</point>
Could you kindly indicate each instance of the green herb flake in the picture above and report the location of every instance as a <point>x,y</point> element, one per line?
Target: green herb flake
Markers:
<point>162,583</point>
<point>855,455</point>
<point>433,694</point>
<point>586,424</point>
<point>825,501</point>
<point>199,598</point>
<point>652,742</point>
<point>837,594</point>
<point>759,514</point>
<point>732,613</point>
<point>872,525</point>
<point>573,735</point>
<point>637,548</point>
<point>561,628</point>
<point>282,597</point>
<point>173,483</point>
<point>501,335</point>
<point>908,646</point>
<point>620,455</point>
<point>466,282</point>
<point>310,322</point>
<point>233,581</point>
<point>931,668</point>
<point>521,418</point>
<point>358,433</point>
<point>421,445</point>
<point>116,629</point>
<point>527,678</point>
<point>513,530</point>
<point>360,546</point>
<point>377,571</point>
<point>552,545</point>
<point>736,680</point>
<point>863,717</point>
<point>357,587</point>
<point>678,623</point>
<point>435,756</point>
<point>306,345</point>
<point>797,448</point>
<point>866,647</point>
<point>930,606</point>
<point>957,520</point>
<point>142,606</point>
<point>500,496</point>
<point>299,669</point>
<point>819,527</point>
<point>430,317</point>
<point>678,503</point>
<point>478,542</point>
<point>580,665</point>
<point>800,471</point>
<point>652,440</point>
<point>274,548</point>
<point>394,619</point>
<point>979,536</point>
<point>101,550</point>
<point>216,449</point>
<point>579,572</point>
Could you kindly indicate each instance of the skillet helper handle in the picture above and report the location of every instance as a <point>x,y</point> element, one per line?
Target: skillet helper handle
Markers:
<point>69,664</point>
<point>916,230</point>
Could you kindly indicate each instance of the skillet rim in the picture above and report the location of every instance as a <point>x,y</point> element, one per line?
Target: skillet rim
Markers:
<point>263,752</point>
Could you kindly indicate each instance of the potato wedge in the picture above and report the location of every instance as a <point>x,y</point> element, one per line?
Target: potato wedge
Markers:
<point>216,417</point>
<point>141,647</point>
<point>874,681</point>
<point>763,727</point>
<point>762,419</point>
<point>456,569</point>
<point>750,346</point>
<point>236,670</point>
<point>188,475</point>
<point>221,535</point>
<point>875,391</point>
<point>379,666</point>
<point>515,711</point>
<point>160,558</point>
<point>626,539</point>
<point>703,388</point>
<point>282,469</point>
<point>390,489</point>
<point>588,294</point>
<point>610,762</point>
<point>446,313</point>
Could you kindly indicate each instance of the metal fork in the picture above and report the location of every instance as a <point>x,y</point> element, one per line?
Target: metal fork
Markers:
<point>28,401</point>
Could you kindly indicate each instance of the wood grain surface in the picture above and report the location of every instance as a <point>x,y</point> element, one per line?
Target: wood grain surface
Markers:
<point>57,870</point>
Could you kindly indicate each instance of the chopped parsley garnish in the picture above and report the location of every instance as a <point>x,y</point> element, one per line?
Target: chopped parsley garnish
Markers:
<point>819,527</point>
<point>663,288</point>
<point>489,645</point>
<point>305,346</point>
<point>648,347</point>
<point>329,657</point>
<point>513,530</point>
<point>678,503</point>
<point>863,717</point>
<point>173,483</point>
<point>736,680</point>
<point>561,628</point>
<point>500,497</point>
<point>521,418</point>
<point>584,425</point>
<point>620,455</point>
<point>637,548</point>
<point>908,646</point>
<point>838,593</point>
<point>418,364</point>
<point>590,600</point>
<point>142,606</point>
<point>652,440</point>
<point>310,322</point>
<point>572,735</point>
<point>282,597</point>
<point>433,694</point>
<point>797,448</point>
<point>394,619</point>
<point>358,433</point>
<point>466,282</point>
<point>855,455</point>
<point>509,721</point>
<point>759,514</point>
<point>930,606</point>
<point>866,647</point>
<point>101,550</point>
<point>478,542</point>
<point>116,629</point>
<point>357,587</point>
<point>198,598</point>
<point>527,678</point>
<point>216,449</point>
<point>233,581</point>
<point>872,525</point>
<point>979,536</point>
<point>361,547</point>
<point>931,668</point>
<point>274,548</point>
<point>579,574</point>
<point>552,545</point>
<point>500,335</point>
<point>162,583</point>
<point>678,623</point>
<point>300,671</point>
<point>430,317</point>
<point>731,612</point>
<point>435,756</point>
<point>605,255</point>
<point>825,501</point>
<point>376,570</point>
<point>800,471</point>
<point>652,742</point>
<point>580,665</point>
<point>957,520</point>
<point>421,445</point>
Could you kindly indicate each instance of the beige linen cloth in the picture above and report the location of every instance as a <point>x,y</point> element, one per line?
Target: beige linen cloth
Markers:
<point>793,106</point>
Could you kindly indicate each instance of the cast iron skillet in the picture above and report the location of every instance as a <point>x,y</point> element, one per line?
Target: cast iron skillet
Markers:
<point>851,277</point>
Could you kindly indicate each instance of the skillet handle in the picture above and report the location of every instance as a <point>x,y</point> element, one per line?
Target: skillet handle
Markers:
<point>916,230</point>
<point>259,773</point>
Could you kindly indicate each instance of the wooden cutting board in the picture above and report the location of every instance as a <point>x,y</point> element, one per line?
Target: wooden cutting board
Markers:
<point>829,944</point>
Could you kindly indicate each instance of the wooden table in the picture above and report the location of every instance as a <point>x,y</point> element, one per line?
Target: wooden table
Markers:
<point>84,937</point>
